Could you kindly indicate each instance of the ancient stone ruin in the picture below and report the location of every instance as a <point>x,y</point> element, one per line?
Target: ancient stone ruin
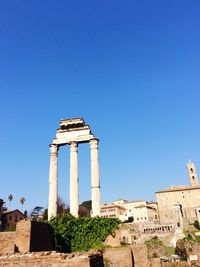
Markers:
<point>73,132</point>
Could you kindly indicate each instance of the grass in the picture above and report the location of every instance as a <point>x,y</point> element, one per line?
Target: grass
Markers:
<point>170,251</point>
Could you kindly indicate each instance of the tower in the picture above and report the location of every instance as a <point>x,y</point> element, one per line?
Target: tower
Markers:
<point>192,173</point>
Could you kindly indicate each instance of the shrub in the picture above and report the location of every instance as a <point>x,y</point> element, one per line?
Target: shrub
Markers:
<point>81,234</point>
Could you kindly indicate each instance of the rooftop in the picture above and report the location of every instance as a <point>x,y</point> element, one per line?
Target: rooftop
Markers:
<point>105,206</point>
<point>178,188</point>
<point>11,211</point>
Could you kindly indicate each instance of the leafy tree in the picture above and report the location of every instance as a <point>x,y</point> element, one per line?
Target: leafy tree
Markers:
<point>85,208</point>
<point>87,204</point>
<point>61,206</point>
<point>45,215</point>
<point>83,211</point>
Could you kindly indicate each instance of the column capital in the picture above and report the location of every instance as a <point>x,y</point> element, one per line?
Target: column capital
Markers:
<point>94,143</point>
<point>74,146</point>
<point>53,148</point>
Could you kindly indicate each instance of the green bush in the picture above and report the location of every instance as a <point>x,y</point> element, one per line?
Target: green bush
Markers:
<point>81,234</point>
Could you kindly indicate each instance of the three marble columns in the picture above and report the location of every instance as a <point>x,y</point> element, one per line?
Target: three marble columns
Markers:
<point>74,192</point>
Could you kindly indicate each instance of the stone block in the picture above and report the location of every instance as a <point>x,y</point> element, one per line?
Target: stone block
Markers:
<point>119,257</point>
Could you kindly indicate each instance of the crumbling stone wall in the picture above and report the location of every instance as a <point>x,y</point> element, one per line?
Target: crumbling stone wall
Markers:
<point>174,264</point>
<point>7,244</point>
<point>52,259</point>
<point>121,256</point>
<point>29,236</point>
<point>186,248</point>
<point>140,255</point>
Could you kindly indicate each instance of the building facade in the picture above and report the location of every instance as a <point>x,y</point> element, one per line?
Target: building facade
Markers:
<point>112,211</point>
<point>10,219</point>
<point>180,204</point>
<point>139,211</point>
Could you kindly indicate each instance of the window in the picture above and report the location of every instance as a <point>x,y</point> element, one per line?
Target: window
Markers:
<point>191,170</point>
<point>193,177</point>
<point>10,218</point>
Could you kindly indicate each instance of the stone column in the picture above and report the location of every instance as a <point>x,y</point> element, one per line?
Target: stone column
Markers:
<point>73,195</point>
<point>95,179</point>
<point>53,181</point>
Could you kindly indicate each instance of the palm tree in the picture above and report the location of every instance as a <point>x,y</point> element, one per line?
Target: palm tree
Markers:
<point>10,198</point>
<point>22,200</point>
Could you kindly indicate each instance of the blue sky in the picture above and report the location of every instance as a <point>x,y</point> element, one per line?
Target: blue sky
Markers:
<point>130,68</point>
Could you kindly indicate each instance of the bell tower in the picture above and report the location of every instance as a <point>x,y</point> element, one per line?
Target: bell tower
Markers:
<point>192,173</point>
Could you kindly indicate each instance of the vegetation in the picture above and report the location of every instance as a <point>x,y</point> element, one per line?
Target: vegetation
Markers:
<point>197,225</point>
<point>87,204</point>
<point>81,234</point>
<point>61,206</point>
<point>85,208</point>
<point>170,251</point>
<point>22,200</point>
<point>190,236</point>
<point>11,228</point>
<point>153,243</point>
<point>10,198</point>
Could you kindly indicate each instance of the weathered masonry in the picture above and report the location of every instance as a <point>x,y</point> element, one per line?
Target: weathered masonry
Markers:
<point>180,205</point>
<point>73,132</point>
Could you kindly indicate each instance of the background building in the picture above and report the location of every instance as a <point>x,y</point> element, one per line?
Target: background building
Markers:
<point>112,211</point>
<point>139,211</point>
<point>10,219</point>
<point>180,204</point>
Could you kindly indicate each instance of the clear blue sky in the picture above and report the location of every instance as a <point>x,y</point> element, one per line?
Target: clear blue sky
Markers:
<point>130,68</point>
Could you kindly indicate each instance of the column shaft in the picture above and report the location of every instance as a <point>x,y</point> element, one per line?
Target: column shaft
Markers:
<point>74,195</point>
<point>53,182</point>
<point>95,179</point>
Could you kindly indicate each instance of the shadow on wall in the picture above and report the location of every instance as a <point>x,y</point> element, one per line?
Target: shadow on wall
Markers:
<point>96,261</point>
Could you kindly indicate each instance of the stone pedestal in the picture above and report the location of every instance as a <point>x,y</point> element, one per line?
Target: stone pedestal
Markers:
<point>74,179</point>
<point>95,179</point>
<point>53,181</point>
